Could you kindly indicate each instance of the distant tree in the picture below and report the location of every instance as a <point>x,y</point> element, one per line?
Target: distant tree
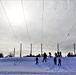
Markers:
<point>1,55</point>
<point>30,55</point>
<point>38,55</point>
<point>70,54</point>
<point>10,55</point>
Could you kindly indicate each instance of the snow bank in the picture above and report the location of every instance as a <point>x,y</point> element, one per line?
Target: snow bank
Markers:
<point>27,66</point>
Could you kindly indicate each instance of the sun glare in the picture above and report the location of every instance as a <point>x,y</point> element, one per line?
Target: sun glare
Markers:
<point>15,14</point>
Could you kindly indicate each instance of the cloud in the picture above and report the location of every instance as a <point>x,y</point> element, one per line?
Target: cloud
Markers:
<point>59,18</point>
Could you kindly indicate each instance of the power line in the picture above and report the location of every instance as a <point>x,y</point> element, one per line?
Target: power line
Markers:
<point>9,21</point>
<point>25,20</point>
<point>68,33</point>
<point>64,39</point>
<point>72,28</point>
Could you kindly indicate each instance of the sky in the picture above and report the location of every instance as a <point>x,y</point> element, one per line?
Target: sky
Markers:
<point>37,21</point>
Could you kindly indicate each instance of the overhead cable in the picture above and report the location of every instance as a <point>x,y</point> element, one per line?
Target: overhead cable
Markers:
<point>9,21</point>
<point>25,20</point>
<point>68,33</point>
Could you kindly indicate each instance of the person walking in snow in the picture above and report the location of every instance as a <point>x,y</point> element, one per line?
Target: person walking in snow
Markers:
<point>59,61</point>
<point>44,57</point>
<point>55,61</point>
<point>36,60</point>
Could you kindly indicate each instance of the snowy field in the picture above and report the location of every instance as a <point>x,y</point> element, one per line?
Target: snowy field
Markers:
<point>27,66</point>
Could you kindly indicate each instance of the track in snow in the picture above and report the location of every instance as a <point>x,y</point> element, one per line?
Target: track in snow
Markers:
<point>37,73</point>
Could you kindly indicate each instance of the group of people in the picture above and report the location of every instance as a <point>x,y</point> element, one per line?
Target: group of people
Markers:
<point>44,58</point>
<point>54,60</point>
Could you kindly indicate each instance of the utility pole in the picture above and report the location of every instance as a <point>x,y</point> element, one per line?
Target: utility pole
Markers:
<point>41,49</point>
<point>74,48</point>
<point>21,50</point>
<point>57,47</point>
<point>31,49</point>
<point>14,52</point>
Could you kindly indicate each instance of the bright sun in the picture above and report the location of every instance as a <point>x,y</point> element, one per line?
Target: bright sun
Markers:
<point>15,14</point>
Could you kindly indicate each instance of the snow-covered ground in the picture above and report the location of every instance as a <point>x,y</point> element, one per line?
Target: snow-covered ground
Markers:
<point>27,66</point>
